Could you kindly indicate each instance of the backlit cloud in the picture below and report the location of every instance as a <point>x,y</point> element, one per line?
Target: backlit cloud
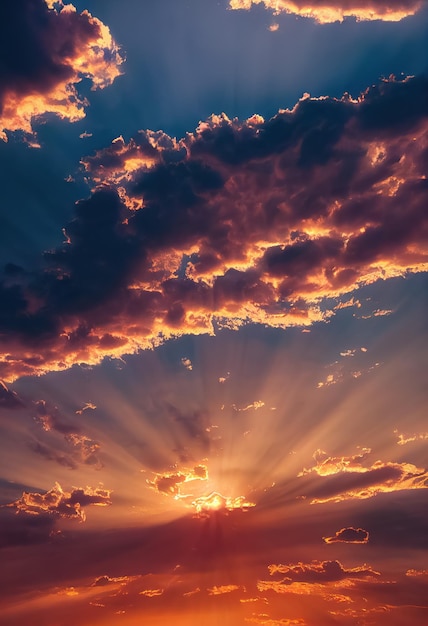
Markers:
<point>60,503</point>
<point>47,48</point>
<point>345,478</point>
<point>319,571</point>
<point>238,222</point>
<point>326,11</point>
<point>349,535</point>
<point>170,483</point>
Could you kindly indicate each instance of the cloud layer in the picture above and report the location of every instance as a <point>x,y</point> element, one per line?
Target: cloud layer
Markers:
<point>327,11</point>
<point>238,222</point>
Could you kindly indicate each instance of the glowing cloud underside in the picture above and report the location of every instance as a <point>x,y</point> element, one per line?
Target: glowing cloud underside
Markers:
<point>238,222</point>
<point>47,52</point>
<point>327,11</point>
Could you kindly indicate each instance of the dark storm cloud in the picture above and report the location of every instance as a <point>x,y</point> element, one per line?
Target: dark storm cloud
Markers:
<point>326,11</point>
<point>44,52</point>
<point>238,222</point>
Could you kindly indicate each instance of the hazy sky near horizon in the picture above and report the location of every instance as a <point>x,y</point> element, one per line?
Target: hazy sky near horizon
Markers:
<point>213,305</point>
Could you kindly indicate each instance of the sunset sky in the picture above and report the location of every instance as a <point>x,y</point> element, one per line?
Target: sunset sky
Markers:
<point>213,313</point>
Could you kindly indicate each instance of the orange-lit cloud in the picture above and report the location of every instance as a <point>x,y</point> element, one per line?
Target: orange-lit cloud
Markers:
<point>239,222</point>
<point>404,439</point>
<point>221,589</point>
<point>151,593</point>
<point>319,571</point>
<point>48,48</point>
<point>216,502</point>
<point>265,620</point>
<point>349,535</point>
<point>345,478</point>
<point>62,503</point>
<point>170,483</point>
<point>327,11</point>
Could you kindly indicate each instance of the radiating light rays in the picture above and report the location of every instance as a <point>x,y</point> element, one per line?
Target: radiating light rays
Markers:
<point>185,456</point>
<point>255,431</point>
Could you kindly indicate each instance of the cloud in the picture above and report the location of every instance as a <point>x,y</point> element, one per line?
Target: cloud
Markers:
<point>187,363</point>
<point>102,581</point>
<point>238,222</point>
<point>221,589</point>
<point>49,419</point>
<point>327,11</point>
<point>51,454</point>
<point>319,571</point>
<point>60,503</point>
<point>47,48</point>
<point>345,478</point>
<point>152,593</point>
<point>265,620</point>
<point>217,502</point>
<point>404,439</point>
<point>9,399</point>
<point>257,404</point>
<point>170,483</point>
<point>349,535</point>
<point>82,449</point>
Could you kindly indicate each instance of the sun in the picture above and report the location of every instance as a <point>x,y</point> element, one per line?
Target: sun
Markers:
<point>216,502</point>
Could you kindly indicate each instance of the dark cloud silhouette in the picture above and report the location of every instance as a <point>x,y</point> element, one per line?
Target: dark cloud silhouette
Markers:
<point>238,222</point>
<point>9,399</point>
<point>46,49</point>
<point>349,535</point>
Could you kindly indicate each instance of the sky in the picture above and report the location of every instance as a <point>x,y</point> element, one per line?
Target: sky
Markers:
<point>213,305</point>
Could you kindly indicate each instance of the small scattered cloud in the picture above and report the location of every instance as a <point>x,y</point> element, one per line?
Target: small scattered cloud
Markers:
<point>187,363</point>
<point>151,593</point>
<point>405,439</point>
<point>222,589</point>
<point>257,404</point>
<point>265,620</point>
<point>102,581</point>
<point>349,535</point>
<point>88,406</point>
